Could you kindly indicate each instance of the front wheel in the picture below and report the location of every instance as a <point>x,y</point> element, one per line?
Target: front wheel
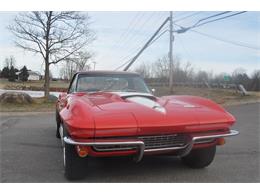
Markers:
<point>74,165</point>
<point>58,124</point>
<point>200,158</point>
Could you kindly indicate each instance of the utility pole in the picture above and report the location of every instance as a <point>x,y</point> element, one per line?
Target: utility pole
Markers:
<point>171,54</point>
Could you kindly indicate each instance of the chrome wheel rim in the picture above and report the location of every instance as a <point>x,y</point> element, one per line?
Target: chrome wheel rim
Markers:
<point>63,144</point>
<point>61,131</point>
<point>64,156</point>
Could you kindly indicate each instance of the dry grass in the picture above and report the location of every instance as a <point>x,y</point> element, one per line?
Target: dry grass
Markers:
<point>5,84</point>
<point>221,96</point>
<point>38,105</point>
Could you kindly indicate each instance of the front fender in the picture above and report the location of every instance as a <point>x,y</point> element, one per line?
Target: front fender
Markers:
<point>204,102</point>
<point>78,119</point>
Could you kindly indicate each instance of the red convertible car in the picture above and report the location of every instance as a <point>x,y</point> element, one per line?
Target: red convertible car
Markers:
<point>106,114</point>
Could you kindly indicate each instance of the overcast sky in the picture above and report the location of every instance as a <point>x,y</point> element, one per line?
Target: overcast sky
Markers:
<point>121,34</point>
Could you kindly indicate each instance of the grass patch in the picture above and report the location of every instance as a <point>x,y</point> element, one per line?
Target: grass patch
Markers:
<point>32,85</point>
<point>38,105</point>
<point>220,96</point>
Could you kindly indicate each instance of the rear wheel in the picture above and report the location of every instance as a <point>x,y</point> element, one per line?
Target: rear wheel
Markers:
<point>200,158</point>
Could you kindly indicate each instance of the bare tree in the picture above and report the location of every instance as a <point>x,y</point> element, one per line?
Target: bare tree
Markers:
<point>79,62</point>
<point>68,70</point>
<point>188,72</point>
<point>237,75</point>
<point>54,35</point>
<point>82,61</point>
<point>144,70</point>
<point>202,76</point>
<point>161,68</point>
<point>255,81</point>
<point>9,62</point>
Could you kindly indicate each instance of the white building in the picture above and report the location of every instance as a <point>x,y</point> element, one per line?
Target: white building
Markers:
<point>33,76</point>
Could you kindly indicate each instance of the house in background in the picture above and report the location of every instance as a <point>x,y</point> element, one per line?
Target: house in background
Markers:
<point>33,75</point>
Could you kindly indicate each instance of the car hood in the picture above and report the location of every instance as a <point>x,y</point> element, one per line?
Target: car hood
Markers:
<point>148,113</point>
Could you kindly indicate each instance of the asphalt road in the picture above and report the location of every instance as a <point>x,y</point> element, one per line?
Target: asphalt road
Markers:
<point>31,153</point>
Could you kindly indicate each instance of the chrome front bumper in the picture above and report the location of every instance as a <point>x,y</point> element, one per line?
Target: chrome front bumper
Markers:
<point>183,150</point>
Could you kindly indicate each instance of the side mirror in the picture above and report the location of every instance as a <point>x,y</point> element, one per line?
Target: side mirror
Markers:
<point>153,90</point>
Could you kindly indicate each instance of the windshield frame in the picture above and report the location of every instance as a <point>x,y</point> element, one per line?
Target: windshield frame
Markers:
<point>93,74</point>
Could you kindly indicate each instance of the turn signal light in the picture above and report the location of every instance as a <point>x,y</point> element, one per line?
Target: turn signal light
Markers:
<point>82,151</point>
<point>221,141</point>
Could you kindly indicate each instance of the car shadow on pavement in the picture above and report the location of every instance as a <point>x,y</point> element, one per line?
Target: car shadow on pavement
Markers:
<point>124,169</point>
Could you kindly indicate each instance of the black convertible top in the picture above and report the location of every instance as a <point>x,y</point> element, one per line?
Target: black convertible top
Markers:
<point>107,72</point>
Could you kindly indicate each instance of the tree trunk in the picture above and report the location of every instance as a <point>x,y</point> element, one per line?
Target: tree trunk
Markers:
<point>47,60</point>
<point>46,81</point>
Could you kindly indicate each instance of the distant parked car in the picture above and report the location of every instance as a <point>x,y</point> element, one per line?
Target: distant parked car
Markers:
<point>115,114</point>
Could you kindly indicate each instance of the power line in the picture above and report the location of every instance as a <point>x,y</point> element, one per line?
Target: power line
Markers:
<point>196,13</point>
<point>123,64</point>
<point>182,18</point>
<point>227,41</point>
<point>212,16</point>
<point>157,37</point>
<point>146,44</point>
<point>142,25</point>
<point>185,49</point>
<point>187,16</point>
<point>198,23</point>
<point>219,19</point>
<point>134,50</point>
<point>139,41</point>
<point>246,45</point>
<point>158,21</point>
<point>132,22</point>
<point>126,31</point>
<point>140,48</point>
<point>184,29</point>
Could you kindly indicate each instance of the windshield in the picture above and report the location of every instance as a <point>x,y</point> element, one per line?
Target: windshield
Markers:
<point>116,82</point>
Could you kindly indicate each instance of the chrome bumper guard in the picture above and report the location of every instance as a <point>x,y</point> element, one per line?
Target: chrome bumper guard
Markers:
<point>183,150</point>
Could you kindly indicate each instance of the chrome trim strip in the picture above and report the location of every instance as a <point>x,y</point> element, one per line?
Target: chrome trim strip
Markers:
<point>232,133</point>
<point>141,147</point>
<point>165,149</point>
<point>189,148</point>
<point>138,144</point>
<point>114,149</point>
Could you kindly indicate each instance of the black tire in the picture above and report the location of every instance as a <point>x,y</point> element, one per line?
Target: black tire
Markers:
<point>58,123</point>
<point>75,166</point>
<point>200,158</point>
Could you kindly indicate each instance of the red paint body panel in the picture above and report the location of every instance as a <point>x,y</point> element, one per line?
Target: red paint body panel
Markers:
<point>104,115</point>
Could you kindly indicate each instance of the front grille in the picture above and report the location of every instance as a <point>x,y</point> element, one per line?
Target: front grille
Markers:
<point>113,148</point>
<point>150,142</point>
<point>165,141</point>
